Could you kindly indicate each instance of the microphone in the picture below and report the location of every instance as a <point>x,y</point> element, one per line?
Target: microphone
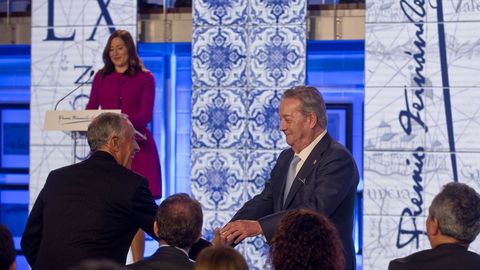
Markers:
<point>75,89</point>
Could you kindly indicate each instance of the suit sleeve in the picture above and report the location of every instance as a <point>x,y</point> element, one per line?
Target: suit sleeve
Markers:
<point>334,179</point>
<point>32,236</point>
<point>144,208</point>
<point>141,117</point>
<point>261,206</point>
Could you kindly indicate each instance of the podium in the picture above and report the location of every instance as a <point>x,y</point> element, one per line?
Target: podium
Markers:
<point>75,124</point>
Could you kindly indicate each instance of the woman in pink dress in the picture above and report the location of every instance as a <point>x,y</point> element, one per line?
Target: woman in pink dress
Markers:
<point>124,83</point>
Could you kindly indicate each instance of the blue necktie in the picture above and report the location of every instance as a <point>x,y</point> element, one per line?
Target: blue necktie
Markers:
<point>290,176</point>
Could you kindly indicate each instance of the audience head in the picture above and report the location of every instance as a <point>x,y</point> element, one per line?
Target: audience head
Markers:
<point>121,47</point>
<point>7,249</point>
<point>311,102</point>
<point>179,221</point>
<point>220,258</point>
<point>454,213</point>
<point>305,239</point>
<point>113,133</point>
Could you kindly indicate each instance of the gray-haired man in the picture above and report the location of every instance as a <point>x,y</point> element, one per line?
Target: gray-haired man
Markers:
<point>316,173</point>
<point>453,223</point>
<point>92,209</point>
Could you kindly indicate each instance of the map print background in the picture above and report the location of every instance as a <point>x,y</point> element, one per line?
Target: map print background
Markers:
<point>419,57</point>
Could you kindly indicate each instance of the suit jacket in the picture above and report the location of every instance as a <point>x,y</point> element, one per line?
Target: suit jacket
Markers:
<point>165,258</point>
<point>327,183</point>
<point>443,257</point>
<point>91,209</point>
<point>197,247</point>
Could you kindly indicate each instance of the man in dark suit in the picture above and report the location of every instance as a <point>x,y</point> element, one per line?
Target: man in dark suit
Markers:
<point>92,209</point>
<point>178,226</point>
<point>316,172</point>
<point>453,223</point>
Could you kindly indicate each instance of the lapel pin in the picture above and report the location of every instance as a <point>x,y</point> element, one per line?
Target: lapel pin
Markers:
<point>314,162</point>
<point>302,180</point>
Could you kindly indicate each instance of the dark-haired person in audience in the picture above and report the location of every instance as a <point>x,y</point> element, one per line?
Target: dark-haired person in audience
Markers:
<point>7,249</point>
<point>306,240</point>
<point>317,173</point>
<point>220,258</point>
<point>178,226</point>
<point>92,209</point>
<point>453,223</point>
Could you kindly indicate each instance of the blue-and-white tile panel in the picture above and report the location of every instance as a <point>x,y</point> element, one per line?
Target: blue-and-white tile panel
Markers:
<point>219,57</point>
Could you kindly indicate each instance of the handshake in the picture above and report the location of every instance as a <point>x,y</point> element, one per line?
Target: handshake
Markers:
<point>234,232</point>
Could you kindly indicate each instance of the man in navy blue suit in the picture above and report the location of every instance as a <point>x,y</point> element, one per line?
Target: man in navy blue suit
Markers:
<point>453,223</point>
<point>316,172</point>
<point>92,209</point>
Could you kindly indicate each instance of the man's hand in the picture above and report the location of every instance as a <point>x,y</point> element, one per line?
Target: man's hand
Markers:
<point>238,230</point>
<point>218,240</point>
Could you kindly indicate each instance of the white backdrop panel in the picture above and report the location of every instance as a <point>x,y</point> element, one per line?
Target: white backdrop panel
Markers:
<point>463,54</point>
<point>466,119</point>
<point>385,110</point>
<point>63,63</point>
<point>83,13</point>
<point>43,159</point>
<point>438,64</point>
<point>68,38</point>
<point>390,187</point>
<point>381,235</point>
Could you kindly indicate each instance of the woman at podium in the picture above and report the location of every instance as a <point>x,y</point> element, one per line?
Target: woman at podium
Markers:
<point>124,83</point>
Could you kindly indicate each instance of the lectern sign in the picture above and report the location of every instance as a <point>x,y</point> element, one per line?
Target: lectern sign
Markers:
<point>71,120</point>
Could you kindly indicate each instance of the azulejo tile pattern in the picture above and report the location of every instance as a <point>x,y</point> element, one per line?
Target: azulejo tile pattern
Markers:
<point>264,120</point>
<point>277,56</point>
<point>245,53</point>
<point>217,179</point>
<point>219,57</point>
<point>256,253</point>
<point>278,11</point>
<point>207,12</point>
<point>218,118</point>
<point>258,167</point>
